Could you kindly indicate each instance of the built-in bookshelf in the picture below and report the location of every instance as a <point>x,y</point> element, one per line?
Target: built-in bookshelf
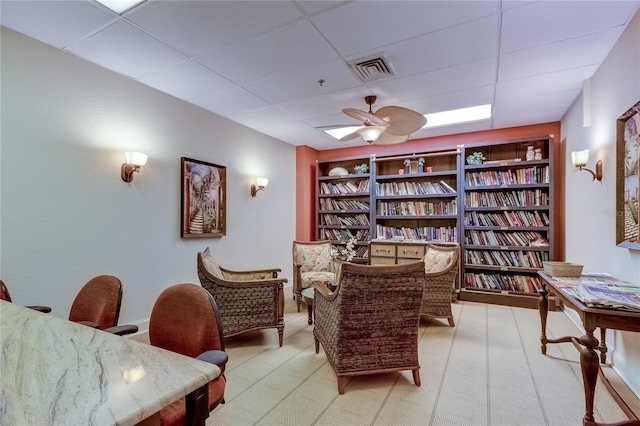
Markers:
<point>416,196</point>
<point>507,223</point>
<point>344,203</point>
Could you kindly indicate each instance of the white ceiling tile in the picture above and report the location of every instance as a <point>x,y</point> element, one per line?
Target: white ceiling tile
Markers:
<point>365,25</point>
<point>543,84</point>
<point>196,27</point>
<point>230,103</point>
<point>545,22</point>
<point>125,49</point>
<point>557,100</point>
<point>475,126</point>
<point>187,80</point>
<point>296,45</point>
<point>452,100</point>
<point>312,7</point>
<point>524,118</point>
<point>563,55</point>
<point>57,23</point>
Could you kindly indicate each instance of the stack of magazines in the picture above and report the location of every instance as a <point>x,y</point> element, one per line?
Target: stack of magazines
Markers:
<point>602,291</point>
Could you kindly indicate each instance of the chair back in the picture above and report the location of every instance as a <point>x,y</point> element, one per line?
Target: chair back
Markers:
<point>98,301</point>
<point>185,319</point>
<point>313,256</point>
<point>4,292</point>
<point>441,258</point>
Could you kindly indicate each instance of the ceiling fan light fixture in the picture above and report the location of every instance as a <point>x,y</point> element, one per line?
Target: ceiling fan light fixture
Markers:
<point>371,133</point>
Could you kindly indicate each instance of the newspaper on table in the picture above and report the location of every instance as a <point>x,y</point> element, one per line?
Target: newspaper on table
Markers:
<point>600,290</point>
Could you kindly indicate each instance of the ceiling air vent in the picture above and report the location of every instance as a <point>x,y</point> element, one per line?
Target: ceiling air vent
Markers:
<point>372,68</point>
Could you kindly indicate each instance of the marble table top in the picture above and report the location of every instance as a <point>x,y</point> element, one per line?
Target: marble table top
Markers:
<point>57,372</point>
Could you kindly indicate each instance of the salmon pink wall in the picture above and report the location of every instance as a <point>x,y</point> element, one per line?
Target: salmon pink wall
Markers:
<point>306,159</point>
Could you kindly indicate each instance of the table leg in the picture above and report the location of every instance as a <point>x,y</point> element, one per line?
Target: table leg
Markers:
<point>602,348</point>
<point>543,308</point>
<point>197,406</point>
<point>310,313</point>
<point>589,365</point>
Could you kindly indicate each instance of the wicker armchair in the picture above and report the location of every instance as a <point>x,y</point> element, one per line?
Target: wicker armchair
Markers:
<point>369,324</point>
<point>441,271</point>
<point>247,300</point>
<point>312,261</point>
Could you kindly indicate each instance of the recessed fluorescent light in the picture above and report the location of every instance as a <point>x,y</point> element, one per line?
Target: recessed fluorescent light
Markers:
<point>120,6</point>
<point>455,116</point>
<point>342,131</point>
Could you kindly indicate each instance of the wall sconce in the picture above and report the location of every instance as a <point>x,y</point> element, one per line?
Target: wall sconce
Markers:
<point>261,183</point>
<point>132,163</point>
<point>579,160</point>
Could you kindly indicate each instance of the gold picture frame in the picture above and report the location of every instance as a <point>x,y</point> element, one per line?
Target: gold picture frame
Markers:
<point>203,199</point>
<point>628,178</point>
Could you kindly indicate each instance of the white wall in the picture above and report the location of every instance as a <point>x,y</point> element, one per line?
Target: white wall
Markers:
<point>591,206</point>
<point>66,214</point>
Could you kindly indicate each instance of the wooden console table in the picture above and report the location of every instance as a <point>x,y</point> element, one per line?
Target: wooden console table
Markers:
<point>592,318</point>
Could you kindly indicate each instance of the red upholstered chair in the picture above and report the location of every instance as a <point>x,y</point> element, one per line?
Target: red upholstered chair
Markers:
<point>185,320</point>
<point>4,295</point>
<point>97,305</point>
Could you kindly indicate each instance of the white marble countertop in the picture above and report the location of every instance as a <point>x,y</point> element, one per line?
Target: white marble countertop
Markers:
<point>55,372</point>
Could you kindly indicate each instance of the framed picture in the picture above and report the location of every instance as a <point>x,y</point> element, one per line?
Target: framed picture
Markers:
<point>203,198</point>
<point>628,178</point>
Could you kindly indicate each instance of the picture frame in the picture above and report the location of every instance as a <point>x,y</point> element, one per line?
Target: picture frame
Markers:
<point>628,178</point>
<point>203,199</point>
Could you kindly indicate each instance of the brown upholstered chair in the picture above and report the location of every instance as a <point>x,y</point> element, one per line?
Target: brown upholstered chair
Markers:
<point>441,271</point>
<point>247,300</point>
<point>97,305</point>
<point>369,324</point>
<point>185,319</point>
<point>4,295</point>
<point>312,261</point>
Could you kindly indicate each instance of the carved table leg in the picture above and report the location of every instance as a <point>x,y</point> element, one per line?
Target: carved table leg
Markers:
<point>589,365</point>
<point>603,346</point>
<point>543,308</point>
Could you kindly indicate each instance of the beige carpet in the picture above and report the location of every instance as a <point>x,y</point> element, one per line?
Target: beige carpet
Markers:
<point>488,370</point>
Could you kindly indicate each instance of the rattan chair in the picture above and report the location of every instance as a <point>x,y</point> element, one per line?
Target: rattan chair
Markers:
<point>312,261</point>
<point>369,324</point>
<point>247,300</point>
<point>441,271</point>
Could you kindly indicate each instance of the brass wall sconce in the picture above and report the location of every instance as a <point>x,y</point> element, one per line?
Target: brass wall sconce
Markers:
<point>132,163</point>
<point>261,183</point>
<point>579,160</point>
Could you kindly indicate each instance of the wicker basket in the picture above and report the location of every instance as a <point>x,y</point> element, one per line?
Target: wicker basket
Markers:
<point>562,269</point>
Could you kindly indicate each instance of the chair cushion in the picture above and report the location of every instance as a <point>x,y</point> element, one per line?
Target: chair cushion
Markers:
<point>315,257</point>
<point>211,265</point>
<point>437,261</point>
<point>309,277</point>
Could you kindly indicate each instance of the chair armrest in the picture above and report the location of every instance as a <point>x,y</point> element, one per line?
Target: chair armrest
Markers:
<point>89,324</point>
<point>322,288</point>
<point>45,309</point>
<point>122,330</point>
<point>266,273</point>
<point>218,358</point>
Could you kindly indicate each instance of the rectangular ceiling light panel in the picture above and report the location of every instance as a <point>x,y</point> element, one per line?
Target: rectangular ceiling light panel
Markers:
<point>120,6</point>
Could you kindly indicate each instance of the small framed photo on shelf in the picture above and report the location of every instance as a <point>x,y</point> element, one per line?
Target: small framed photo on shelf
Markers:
<point>628,178</point>
<point>203,199</point>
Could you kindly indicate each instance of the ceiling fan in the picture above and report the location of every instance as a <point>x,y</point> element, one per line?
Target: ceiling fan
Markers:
<point>388,125</point>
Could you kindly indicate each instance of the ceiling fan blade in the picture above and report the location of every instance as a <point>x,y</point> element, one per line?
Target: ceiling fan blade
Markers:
<point>366,118</point>
<point>349,137</point>
<point>402,121</point>
<point>388,139</point>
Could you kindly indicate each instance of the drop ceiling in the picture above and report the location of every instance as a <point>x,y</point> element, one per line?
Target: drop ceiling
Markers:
<point>260,63</point>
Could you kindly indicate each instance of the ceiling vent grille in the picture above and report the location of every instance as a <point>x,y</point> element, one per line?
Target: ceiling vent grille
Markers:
<point>372,68</point>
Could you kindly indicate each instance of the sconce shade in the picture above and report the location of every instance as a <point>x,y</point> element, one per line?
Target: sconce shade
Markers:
<point>132,163</point>
<point>580,158</point>
<point>261,184</point>
<point>370,133</point>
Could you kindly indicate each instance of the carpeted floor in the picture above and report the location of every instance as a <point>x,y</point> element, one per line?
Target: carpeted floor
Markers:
<point>487,370</point>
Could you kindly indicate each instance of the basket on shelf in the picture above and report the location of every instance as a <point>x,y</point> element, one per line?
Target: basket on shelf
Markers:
<point>562,269</point>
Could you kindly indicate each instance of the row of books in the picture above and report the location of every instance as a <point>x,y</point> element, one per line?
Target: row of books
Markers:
<point>414,188</point>
<point>521,259</point>
<point>348,187</point>
<point>523,283</point>
<point>361,251</point>
<point>526,198</point>
<point>497,238</point>
<point>339,220</point>
<point>510,218</point>
<point>526,176</point>
<point>343,204</point>
<point>416,208</point>
<point>344,234</point>
<point>442,233</point>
